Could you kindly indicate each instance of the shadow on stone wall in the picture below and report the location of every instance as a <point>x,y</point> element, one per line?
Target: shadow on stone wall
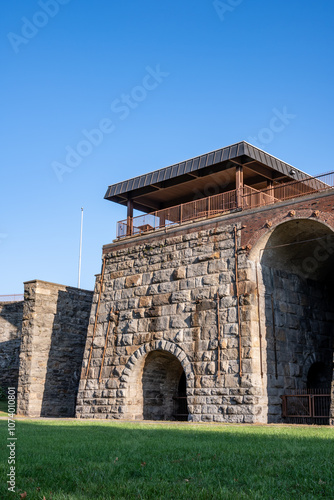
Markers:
<point>299,308</point>
<point>68,339</point>
<point>10,339</point>
<point>9,363</point>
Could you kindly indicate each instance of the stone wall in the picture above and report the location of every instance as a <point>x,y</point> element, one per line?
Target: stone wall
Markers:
<point>10,339</point>
<point>170,295</point>
<point>302,335</point>
<point>176,291</point>
<point>54,327</point>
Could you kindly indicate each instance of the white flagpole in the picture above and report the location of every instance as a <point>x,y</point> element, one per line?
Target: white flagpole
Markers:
<point>80,249</point>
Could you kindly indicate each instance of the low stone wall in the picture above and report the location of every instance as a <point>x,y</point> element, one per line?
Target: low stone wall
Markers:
<point>10,339</point>
<point>54,327</point>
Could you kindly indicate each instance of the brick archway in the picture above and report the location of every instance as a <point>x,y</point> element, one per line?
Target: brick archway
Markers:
<point>260,236</point>
<point>131,378</point>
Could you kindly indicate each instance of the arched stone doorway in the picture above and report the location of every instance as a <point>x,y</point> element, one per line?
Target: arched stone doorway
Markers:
<point>164,387</point>
<point>172,379</point>
<point>296,267</point>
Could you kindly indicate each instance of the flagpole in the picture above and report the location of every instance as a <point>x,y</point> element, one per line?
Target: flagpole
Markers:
<point>80,248</point>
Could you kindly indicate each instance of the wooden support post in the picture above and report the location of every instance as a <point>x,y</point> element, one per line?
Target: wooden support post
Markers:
<point>162,216</point>
<point>129,218</point>
<point>239,185</point>
<point>270,188</point>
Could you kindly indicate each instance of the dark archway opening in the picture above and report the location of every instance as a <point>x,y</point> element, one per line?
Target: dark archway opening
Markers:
<point>164,388</point>
<point>180,405</point>
<point>297,271</point>
<point>318,377</point>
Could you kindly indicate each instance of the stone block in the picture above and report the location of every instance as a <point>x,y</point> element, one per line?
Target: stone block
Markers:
<point>180,321</point>
<point>197,270</point>
<point>198,295</point>
<point>182,296</point>
<point>179,273</point>
<point>132,281</point>
<point>168,287</point>
<point>161,299</point>
<point>158,324</point>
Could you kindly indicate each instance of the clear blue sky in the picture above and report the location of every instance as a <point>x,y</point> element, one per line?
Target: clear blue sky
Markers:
<point>224,70</point>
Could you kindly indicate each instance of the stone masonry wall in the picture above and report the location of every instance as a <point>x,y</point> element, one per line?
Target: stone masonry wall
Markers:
<point>159,293</point>
<point>162,295</point>
<point>10,339</point>
<point>54,327</point>
<point>303,334</point>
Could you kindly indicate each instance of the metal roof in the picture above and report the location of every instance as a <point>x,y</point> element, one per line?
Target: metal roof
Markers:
<point>241,153</point>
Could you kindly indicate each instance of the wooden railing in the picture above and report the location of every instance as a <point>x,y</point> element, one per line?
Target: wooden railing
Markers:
<point>223,203</point>
<point>201,208</point>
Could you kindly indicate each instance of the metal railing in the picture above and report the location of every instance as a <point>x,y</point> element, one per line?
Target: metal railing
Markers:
<point>223,203</point>
<point>202,208</point>
<point>288,190</point>
<point>307,406</point>
<point>12,298</point>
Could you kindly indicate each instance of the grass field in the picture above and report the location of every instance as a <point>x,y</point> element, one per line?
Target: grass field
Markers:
<point>88,460</point>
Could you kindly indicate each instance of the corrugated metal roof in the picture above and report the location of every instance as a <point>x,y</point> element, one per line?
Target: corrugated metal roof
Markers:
<point>233,152</point>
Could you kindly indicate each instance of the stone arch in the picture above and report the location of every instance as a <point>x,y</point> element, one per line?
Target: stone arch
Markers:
<point>260,238</point>
<point>131,378</point>
<point>325,218</point>
<point>294,260</point>
<point>312,360</point>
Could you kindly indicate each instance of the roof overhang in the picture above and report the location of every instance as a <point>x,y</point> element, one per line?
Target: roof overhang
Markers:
<point>202,176</point>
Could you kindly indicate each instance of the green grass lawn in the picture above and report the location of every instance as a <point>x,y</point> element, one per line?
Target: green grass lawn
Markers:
<point>88,460</point>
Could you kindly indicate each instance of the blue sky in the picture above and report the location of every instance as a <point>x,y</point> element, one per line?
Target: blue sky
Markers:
<point>163,82</point>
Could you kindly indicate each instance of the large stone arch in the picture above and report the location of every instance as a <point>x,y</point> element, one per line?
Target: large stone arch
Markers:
<point>293,265</point>
<point>260,239</point>
<point>257,238</point>
<point>131,378</point>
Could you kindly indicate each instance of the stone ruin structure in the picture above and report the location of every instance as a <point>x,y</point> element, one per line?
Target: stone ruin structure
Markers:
<point>213,305</point>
